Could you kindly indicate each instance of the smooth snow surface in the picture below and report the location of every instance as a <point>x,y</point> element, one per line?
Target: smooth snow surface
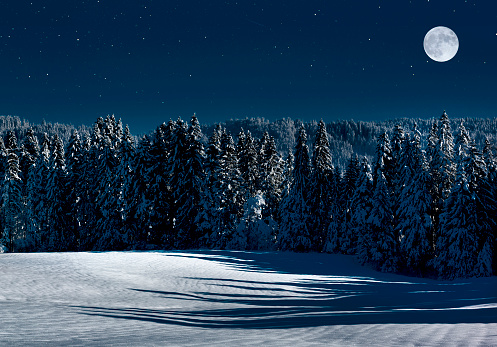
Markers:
<point>211,298</point>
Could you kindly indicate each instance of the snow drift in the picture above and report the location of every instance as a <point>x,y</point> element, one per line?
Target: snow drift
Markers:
<point>206,298</point>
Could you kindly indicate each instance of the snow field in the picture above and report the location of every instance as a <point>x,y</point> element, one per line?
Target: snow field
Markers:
<point>210,298</point>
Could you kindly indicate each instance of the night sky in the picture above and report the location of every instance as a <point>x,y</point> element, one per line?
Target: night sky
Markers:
<point>147,61</point>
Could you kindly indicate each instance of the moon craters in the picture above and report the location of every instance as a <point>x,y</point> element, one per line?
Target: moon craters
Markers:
<point>441,44</point>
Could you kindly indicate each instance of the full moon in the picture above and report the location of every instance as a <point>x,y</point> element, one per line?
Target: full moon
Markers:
<point>441,44</point>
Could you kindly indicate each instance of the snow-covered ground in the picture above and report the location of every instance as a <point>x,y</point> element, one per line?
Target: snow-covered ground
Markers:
<point>206,298</point>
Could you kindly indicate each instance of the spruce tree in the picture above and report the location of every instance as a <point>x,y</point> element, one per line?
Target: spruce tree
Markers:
<point>30,151</point>
<point>462,141</point>
<point>74,180</point>
<point>84,192</point>
<point>39,186</point>
<point>109,223</point>
<point>348,237</point>
<point>465,245</point>
<point>140,205</point>
<point>271,175</point>
<point>384,160</point>
<point>12,205</point>
<point>91,214</point>
<point>126,171</point>
<point>457,244</point>
<point>295,216</point>
<point>31,222</point>
<point>190,189</point>
<point>56,207</point>
<point>489,197</point>
<point>360,208</point>
<point>435,179</point>
<point>11,142</point>
<point>209,226</point>
<point>161,223</point>
<point>384,241</point>
<point>248,164</point>
<point>443,164</point>
<point>320,199</point>
<point>231,199</point>
<point>476,172</point>
<point>444,157</point>
<point>287,181</point>
<point>397,144</point>
<point>254,231</point>
<point>414,219</point>
<point>384,251</point>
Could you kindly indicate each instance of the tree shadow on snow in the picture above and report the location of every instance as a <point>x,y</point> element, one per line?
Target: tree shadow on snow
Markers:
<point>316,296</point>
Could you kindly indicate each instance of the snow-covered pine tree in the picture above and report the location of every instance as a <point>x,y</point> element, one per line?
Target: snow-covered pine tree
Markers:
<point>190,189</point>
<point>457,243</point>
<point>337,226</point>
<point>397,144</point>
<point>108,223</point>
<point>177,162</point>
<point>271,175</point>
<point>11,142</point>
<point>12,205</point>
<point>126,171</point>
<point>11,145</point>
<point>432,141</point>
<point>384,159</point>
<point>74,180</point>
<point>56,207</point>
<point>3,156</point>
<point>465,245</point>
<point>141,202</point>
<point>348,236</point>
<point>462,141</point>
<point>320,189</point>
<point>90,189</point>
<point>489,195</point>
<point>212,153</point>
<point>286,183</point>
<point>254,231</point>
<point>118,132</point>
<point>360,208</point>
<point>435,179</point>
<point>414,220</point>
<point>209,223</point>
<point>31,223</point>
<point>85,194</point>
<point>384,252</point>
<point>295,215</point>
<point>231,198</point>
<point>39,185</point>
<point>442,163</point>
<point>350,177</point>
<point>476,172</point>
<point>3,169</point>
<point>30,150</point>
<point>248,163</point>
<point>161,223</point>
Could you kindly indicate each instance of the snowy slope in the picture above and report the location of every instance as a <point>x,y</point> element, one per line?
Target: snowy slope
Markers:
<point>206,298</point>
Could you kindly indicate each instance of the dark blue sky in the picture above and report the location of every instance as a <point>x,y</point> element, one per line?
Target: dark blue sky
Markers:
<point>148,60</point>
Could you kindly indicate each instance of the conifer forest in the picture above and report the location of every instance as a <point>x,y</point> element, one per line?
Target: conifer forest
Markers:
<point>412,197</point>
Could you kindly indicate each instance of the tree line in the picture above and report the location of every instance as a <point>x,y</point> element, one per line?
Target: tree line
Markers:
<point>424,206</point>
